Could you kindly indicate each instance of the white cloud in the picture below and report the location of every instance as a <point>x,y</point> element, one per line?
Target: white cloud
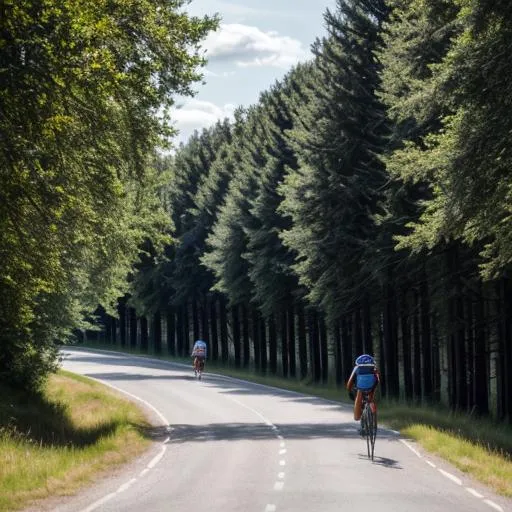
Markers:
<point>195,115</point>
<point>250,46</point>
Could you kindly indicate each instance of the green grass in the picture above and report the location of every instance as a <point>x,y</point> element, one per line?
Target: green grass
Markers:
<point>479,447</point>
<point>54,442</point>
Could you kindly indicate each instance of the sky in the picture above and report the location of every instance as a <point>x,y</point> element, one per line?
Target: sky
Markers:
<point>257,43</point>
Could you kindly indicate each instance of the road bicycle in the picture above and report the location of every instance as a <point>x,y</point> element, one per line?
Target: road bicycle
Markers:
<point>369,423</point>
<point>198,368</point>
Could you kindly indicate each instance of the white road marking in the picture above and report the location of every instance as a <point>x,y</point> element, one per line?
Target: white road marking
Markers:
<point>280,475</point>
<point>278,486</point>
<point>474,493</point>
<point>100,502</point>
<point>493,505</point>
<point>157,458</point>
<point>151,464</point>
<point>453,478</point>
<point>126,485</point>
<point>413,450</point>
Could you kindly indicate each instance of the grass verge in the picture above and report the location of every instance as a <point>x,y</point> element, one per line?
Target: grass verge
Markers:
<point>55,442</point>
<point>479,447</point>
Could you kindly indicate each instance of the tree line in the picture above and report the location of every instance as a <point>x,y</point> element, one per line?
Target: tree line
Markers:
<point>362,204</point>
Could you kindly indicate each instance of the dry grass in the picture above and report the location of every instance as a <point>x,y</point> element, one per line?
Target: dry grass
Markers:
<point>54,443</point>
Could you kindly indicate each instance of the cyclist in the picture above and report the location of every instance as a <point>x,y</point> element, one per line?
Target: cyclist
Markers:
<point>365,377</point>
<point>199,354</point>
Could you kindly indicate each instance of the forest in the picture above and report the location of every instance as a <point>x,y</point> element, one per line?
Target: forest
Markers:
<point>363,204</point>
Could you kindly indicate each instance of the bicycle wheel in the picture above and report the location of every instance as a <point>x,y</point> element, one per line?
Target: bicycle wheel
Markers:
<point>366,427</point>
<point>372,429</point>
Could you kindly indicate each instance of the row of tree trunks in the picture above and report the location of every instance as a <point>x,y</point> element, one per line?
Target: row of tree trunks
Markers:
<point>442,337</point>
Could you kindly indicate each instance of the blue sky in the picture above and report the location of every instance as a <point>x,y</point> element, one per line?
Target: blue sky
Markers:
<point>257,43</point>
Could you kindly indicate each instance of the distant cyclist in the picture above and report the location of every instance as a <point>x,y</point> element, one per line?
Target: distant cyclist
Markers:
<point>364,378</point>
<point>199,353</point>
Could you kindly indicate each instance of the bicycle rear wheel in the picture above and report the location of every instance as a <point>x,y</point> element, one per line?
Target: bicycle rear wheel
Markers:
<point>366,429</point>
<point>372,431</point>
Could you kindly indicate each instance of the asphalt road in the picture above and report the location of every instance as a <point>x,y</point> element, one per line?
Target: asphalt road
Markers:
<point>225,445</point>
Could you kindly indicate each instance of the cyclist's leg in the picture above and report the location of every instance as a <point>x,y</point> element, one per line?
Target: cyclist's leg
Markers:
<point>371,400</point>
<point>358,405</point>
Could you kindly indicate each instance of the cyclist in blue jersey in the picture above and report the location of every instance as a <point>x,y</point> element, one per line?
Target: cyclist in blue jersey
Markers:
<point>364,378</point>
<point>199,353</point>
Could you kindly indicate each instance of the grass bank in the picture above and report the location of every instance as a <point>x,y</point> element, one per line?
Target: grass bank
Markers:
<point>54,442</point>
<point>479,447</point>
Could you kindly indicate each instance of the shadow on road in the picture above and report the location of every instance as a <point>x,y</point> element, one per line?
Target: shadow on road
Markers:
<point>176,371</point>
<point>185,433</point>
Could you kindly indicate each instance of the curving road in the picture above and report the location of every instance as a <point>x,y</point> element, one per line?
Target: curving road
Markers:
<point>225,445</point>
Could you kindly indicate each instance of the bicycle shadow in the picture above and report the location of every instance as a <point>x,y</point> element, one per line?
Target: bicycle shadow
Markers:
<point>381,461</point>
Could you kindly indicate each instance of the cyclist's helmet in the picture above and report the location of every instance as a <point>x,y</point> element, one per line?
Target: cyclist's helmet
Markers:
<point>365,359</point>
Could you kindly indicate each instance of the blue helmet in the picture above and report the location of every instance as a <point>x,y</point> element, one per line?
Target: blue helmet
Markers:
<point>365,359</point>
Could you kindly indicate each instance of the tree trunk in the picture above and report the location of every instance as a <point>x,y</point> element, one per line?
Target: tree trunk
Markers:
<point>224,330</point>
<point>180,331</point>
<point>214,336</point>
<point>195,320</point>
<point>157,333</point>
<point>144,338</point>
<point>133,328</point>
<point>480,359</point>
<point>324,348</point>
<point>303,344</point>
<point>204,318</point>
<point>314,347</point>
<point>390,344</point>
<point>406,346</point>
<point>256,337</point>
<point>284,342</point>
<point>338,354</point>
<point>245,337</point>
<point>122,322</point>
<point>367,327</point>
<point>426,339</point>
<point>236,335</point>
<point>357,332</point>
<point>347,356</point>
<point>291,341</point>
<point>171,331</point>
<point>416,336</point>
<point>263,344</point>
<point>272,343</point>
